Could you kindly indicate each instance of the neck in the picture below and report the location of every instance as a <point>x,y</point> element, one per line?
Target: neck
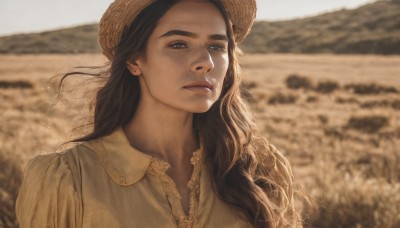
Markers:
<point>162,132</point>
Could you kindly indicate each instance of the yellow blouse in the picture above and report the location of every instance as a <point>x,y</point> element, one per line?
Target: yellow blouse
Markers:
<point>108,183</point>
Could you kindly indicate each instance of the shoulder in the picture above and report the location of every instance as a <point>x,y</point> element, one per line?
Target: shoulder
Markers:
<point>59,162</point>
<point>46,166</point>
<point>51,171</point>
<point>51,187</point>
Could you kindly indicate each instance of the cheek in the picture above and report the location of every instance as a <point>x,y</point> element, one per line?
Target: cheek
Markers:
<point>162,69</point>
<point>172,58</point>
<point>221,69</point>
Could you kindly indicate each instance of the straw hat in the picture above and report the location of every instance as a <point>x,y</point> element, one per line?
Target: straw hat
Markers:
<point>121,13</point>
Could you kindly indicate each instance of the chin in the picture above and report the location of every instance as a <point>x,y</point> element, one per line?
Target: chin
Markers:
<point>201,111</point>
<point>201,108</point>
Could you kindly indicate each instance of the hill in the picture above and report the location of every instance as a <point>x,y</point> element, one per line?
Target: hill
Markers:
<point>370,29</point>
<point>81,39</point>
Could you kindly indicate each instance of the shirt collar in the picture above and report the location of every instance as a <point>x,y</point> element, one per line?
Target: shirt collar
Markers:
<point>125,164</point>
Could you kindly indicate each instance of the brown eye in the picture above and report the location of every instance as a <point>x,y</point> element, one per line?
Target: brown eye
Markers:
<point>177,45</point>
<point>218,47</point>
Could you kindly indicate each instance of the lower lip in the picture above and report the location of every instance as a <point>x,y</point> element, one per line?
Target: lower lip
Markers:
<point>199,89</point>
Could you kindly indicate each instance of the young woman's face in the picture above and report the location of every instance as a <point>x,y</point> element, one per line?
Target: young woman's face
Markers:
<point>186,58</point>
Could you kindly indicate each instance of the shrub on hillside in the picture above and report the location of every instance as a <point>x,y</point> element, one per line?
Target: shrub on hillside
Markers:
<point>5,84</point>
<point>312,99</point>
<point>295,81</point>
<point>396,104</point>
<point>327,87</point>
<point>367,124</point>
<point>370,89</point>
<point>375,104</point>
<point>333,132</point>
<point>323,119</point>
<point>280,98</point>
<point>351,100</point>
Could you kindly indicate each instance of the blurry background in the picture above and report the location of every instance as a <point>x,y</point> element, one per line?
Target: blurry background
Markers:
<point>21,16</point>
<point>322,77</point>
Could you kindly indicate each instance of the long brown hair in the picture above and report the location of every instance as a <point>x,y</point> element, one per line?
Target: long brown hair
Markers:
<point>247,172</point>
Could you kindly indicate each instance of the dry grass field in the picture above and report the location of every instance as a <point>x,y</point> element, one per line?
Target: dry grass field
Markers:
<point>337,119</point>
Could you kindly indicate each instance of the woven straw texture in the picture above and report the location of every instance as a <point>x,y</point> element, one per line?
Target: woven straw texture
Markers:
<point>121,13</point>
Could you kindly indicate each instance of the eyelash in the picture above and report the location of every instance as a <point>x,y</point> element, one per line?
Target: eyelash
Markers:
<point>175,44</point>
<point>182,45</point>
<point>219,47</point>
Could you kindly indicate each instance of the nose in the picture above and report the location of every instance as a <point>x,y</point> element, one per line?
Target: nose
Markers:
<point>203,63</point>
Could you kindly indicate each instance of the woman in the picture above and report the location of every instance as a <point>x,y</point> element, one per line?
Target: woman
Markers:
<point>173,143</point>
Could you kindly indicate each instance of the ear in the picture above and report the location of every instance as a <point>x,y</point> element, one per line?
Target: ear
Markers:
<point>134,68</point>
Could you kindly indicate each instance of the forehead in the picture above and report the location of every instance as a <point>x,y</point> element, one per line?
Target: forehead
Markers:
<point>201,16</point>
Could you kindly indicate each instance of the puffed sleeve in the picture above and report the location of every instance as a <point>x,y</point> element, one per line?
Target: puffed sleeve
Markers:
<point>48,197</point>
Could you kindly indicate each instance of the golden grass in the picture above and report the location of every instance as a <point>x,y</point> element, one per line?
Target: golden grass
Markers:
<point>344,146</point>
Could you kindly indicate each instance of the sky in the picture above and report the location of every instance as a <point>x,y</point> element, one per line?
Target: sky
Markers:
<point>25,16</point>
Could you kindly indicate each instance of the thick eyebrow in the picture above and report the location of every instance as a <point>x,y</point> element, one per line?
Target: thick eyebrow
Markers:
<point>193,35</point>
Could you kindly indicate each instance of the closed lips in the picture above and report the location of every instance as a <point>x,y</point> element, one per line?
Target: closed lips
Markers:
<point>205,84</point>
